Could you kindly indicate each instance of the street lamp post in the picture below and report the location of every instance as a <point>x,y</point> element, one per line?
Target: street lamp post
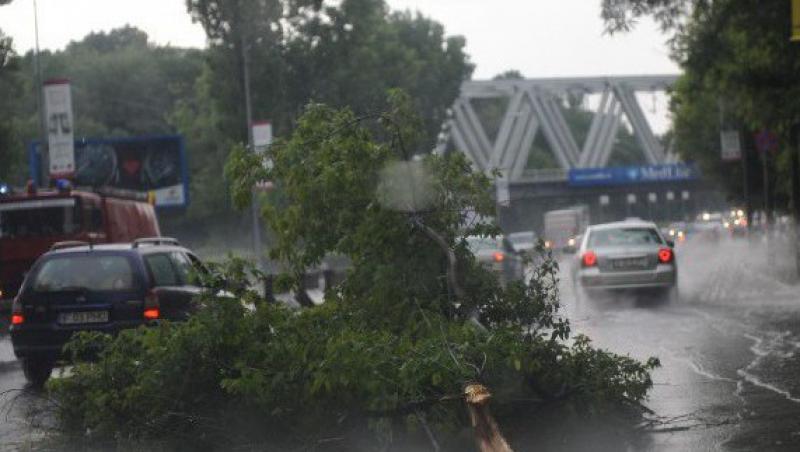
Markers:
<point>39,98</point>
<point>248,106</point>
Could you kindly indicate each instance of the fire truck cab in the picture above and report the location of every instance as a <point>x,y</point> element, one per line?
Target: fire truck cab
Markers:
<point>31,221</point>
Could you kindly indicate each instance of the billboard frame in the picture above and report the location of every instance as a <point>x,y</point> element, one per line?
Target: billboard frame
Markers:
<point>37,174</point>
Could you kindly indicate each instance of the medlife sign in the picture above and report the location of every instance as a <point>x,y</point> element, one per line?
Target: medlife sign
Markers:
<point>60,136</point>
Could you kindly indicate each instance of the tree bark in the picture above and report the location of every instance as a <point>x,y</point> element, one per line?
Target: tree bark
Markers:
<point>487,435</point>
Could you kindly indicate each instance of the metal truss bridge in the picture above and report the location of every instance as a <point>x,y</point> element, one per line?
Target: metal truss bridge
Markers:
<point>534,106</point>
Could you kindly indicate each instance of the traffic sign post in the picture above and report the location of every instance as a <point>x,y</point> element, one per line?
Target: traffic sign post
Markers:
<point>604,201</point>
<point>766,141</point>
<point>60,137</point>
<point>631,200</point>
<point>731,146</point>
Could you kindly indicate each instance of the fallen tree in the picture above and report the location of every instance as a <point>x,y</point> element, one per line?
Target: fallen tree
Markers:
<point>404,353</point>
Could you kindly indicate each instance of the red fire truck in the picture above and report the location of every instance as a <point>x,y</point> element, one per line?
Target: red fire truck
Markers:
<point>33,220</point>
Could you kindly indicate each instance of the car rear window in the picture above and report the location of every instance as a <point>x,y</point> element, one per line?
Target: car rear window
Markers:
<point>84,272</point>
<point>522,237</point>
<point>624,236</point>
<point>481,243</point>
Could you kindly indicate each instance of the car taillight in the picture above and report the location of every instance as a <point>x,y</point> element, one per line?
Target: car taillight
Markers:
<point>499,257</point>
<point>151,306</point>
<point>17,318</point>
<point>151,313</point>
<point>665,255</point>
<point>589,259</point>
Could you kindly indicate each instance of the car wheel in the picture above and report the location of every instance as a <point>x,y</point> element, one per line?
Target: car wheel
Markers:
<point>37,370</point>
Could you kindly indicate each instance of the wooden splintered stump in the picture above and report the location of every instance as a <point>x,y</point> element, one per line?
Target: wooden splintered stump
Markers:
<point>487,435</point>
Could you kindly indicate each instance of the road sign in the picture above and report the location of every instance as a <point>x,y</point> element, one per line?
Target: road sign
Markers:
<point>670,196</point>
<point>685,195</point>
<point>652,198</point>
<point>58,111</point>
<point>766,141</point>
<point>605,200</point>
<point>630,175</point>
<point>631,198</point>
<point>730,145</point>
<point>262,135</point>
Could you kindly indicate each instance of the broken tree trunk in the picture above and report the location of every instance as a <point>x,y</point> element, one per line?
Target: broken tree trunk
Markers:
<point>487,435</point>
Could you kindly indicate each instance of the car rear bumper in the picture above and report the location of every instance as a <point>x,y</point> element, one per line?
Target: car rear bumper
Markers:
<point>663,276</point>
<point>49,339</point>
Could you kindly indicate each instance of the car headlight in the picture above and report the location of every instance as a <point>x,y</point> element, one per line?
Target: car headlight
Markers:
<point>571,242</point>
<point>547,244</point>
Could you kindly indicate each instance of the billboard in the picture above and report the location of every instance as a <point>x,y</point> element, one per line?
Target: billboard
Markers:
<point>148,165</point>
<point>627,175</point>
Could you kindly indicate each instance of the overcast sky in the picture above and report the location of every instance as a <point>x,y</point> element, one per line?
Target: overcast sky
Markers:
<point>541,38</point>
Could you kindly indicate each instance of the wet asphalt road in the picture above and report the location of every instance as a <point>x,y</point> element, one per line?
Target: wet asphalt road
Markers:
<point>730,354</point>
<point>730,375</point>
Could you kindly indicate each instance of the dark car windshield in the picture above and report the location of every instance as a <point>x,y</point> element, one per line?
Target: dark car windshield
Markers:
<point>84,272</point>
<point>624,236</point>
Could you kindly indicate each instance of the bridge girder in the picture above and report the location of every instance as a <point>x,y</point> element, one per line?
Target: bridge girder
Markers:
<point>533,108</point>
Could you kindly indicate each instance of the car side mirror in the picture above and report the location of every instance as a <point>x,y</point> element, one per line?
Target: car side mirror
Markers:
<point>671,243</point>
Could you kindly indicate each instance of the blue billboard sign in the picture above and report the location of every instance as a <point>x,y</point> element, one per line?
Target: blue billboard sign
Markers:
<point>150,165</point>
<point>628,175</point>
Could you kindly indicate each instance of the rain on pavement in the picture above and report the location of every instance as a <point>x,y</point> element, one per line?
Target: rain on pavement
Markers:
<point>729,353</point>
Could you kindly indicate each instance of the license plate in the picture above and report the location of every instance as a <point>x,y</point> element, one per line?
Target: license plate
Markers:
<point>628,264</point>
<point>76,318</point>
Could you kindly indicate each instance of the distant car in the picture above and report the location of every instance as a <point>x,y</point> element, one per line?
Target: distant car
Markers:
<point>524,243</point>
<point>677,232</point>
<point>709,227</point>
<point>80,287</point>
<point>498,255</point>
<point>562,228</point>
<point>626,255</point>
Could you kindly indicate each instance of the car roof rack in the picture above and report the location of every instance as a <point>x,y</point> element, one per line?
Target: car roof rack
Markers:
<point>155,241</point>
<point>69,244</point>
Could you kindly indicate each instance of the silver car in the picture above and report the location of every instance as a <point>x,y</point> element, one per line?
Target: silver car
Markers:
<point>498,255</point>
<point>626,255</point>
<point>524,242</point>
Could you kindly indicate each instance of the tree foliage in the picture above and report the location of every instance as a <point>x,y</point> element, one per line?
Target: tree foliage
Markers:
<point>386,358</point>
<point>10,85</point>
<point>740,72</point>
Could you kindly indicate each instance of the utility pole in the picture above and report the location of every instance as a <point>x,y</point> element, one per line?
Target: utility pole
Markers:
<point>748,205</point>
<point>248,107</point>
<point>43,146</point>
<point>794,149</point>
